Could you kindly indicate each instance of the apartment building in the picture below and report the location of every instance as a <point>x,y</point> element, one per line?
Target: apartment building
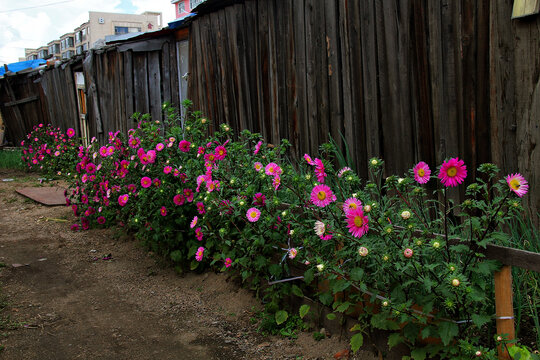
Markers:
<point>92,33</point>
<point>184,7</point>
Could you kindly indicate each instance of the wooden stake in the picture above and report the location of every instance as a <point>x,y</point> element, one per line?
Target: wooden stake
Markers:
<point>504,307</point>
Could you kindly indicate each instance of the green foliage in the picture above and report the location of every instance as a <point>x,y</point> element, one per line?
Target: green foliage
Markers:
<point>11,159</point>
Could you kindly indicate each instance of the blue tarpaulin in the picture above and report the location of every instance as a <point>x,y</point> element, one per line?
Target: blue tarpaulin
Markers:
<point>22,65</point>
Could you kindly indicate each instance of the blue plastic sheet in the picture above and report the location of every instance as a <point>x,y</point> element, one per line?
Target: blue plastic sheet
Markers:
<point>22,65</point>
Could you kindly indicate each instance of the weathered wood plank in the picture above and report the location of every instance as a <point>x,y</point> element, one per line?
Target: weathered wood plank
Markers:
<point>22,101</point>
<point>300,114</point>
<point>140,83</point>
<point>154,85</point>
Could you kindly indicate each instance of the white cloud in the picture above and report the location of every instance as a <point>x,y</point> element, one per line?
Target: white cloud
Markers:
<point>32,28</point>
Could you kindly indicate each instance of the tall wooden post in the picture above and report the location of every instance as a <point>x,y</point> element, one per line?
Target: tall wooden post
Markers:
<point>504,307</point>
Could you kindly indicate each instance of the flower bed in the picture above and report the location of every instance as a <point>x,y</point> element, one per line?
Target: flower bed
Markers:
<point>237,204</point>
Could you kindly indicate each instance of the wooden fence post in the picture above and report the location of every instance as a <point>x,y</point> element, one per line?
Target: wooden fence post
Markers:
<point>504,307</point>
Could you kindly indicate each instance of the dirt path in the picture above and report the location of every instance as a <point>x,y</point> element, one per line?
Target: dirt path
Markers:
<point>74,305</point>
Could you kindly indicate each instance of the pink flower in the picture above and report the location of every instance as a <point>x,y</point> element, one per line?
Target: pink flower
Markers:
<point>228,262</point>
<point>199,234</point>
<point>157,182</point>
<point>74,227</point>
<point>258,166</point>
<point>259,199</point>
<point>160,147</point>
<point>193,222</point>
<point>200,208</point>
<point>188,193</point>
<point>517,184</point>
<point>184,146</point>
<point>276,182</point>
<point>220,152</point>
<point>103,151</point>
<point>343,171</point>
<point>90,168</point>
<point>308,159</point>
<point>70,132</point>
<point>253,214</point>
<point>322,195</point>
<point>163,211</point>
<point>319,171</point>
<point>421,172</point>
<point>101,220</point>
<point>357,222</point>
<point>199,254</point>
<point>408,253</point>
<point>292,253</point>
<point>123,199</point>
<point>146,182</point>
<point>272,169</point>
<point>452,172</point>
<point>134,142</point>
<point>178,199</point>
<point>167,169</point>
<point>151,154</point>
<point>351,204</point>
<point>257,148</point>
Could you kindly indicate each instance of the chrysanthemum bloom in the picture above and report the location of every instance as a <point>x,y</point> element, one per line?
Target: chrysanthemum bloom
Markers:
<point>193,222</point>
<point>167,169</point>
<point>188,193</point>
<point>134,142</point>
<point>272,169</point>
<point>309,159</point>
<point>319,228</point>
<point>163,211</point>
<point>110,150</point>
<point>322,195</point>
<point>408,253</point>
<point>101,220</point>
<point>151,154</point>
<point>157,182</point>
<point>160,147</point>
<point>343,171</point>
<point>357,222</point>
<point>253,214</point>
<point>123,199</point>
<point>200,208</point>
<point>453,172</point>
<point>228,262</point>
<point>351,204</point>
<point>421,172</point>
<point>179,199</point>
<point>74,227</point>
<point>292,253</point>
<point>199,254</point>
<point>90,168</point>
<point>257,148</point>
<point>319,171</point>
<point>517,184</point>
<point>276,182</point>
<point>70,133</point>
<point>258,166</point>
<point>259,199</point>
<point>199,234</point>
<point>220,152</point>
<point>363,251</point>
<point>405,214</point>
<point>103,151</point>
<point>184,146</point>
<point>146,182</point>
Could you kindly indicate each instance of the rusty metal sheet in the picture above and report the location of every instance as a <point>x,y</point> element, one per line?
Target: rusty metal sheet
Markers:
<point>50,196</point>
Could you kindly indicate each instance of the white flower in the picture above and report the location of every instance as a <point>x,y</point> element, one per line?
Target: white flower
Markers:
<point>319,228</point>
<point>320,267</point>
<point>405,214</point>
<point>367,208</point>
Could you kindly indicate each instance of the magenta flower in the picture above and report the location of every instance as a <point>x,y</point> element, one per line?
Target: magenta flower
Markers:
<point>167,169</point>
<point>199,254</point>
<point>276,182</point>
<point>184,146</point>
<point>101,220</point>
<point>351,204</point>
<point>200,208</point>
<point>421,172</point>
<point>193,222</point>
<point>517,184</point>
<point>228,262</point>
<point>319,171</point>
<point>146,182</point>
<point>179,199</point>
<point>272,169</point>
<point>123,199</point>
<point>452,172</point>
<point>70,132</point>
<point>309,159</point>
<point>151,154</point>
<point>322,195</point>
<point>257,148</point>
<point>220,152</point>
<point>199,234</point>
<point>157,182</point>
<point>259,199</point>
<point>103,151</point>
<point>188,193</point>
<point>408,253</point>
<point>253,214</point>
<point>90,168</point>
<point>258,166</point>
<point>357,222</point>
<point>163,211</point>
<point>160,147</point>
<point>134,142</point>
<point>74,227</point>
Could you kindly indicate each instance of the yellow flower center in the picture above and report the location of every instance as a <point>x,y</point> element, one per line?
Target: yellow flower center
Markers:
<point>253,214</point>
<point>358,221</point>
<point>352,206</point>
<point>421,172</point>
<point>514,184</point>
<point>452,171</point>
<point>321,195</point>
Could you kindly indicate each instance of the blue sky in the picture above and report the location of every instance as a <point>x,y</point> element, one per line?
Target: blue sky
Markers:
<point>33,23</point>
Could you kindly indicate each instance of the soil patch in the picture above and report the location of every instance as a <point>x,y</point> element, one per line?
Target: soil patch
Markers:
<point>73,301</point>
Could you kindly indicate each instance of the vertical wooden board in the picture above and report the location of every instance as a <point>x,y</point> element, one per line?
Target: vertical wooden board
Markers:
<point>230,64</point>
<point>263,65</point>
<point>128,85</point>
<point>291,115</point>
<point>174,74</point>
<point>312,78</point>
<point>276,78</point>
<point>166,70</point>
<point>370,91</point>
<point>483,147</point>
<point>300,105</point>
<point>322,72</point>
<point>120,93</point>
<point>154,85</point>
<point>195,91</point>
<point>140,83</point>
<point>72,111</point>
<point>281,43</point>
<point>333,71</point>
<point>251,55</point>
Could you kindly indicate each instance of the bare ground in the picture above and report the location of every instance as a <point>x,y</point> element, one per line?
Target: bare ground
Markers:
<point>65,302</point>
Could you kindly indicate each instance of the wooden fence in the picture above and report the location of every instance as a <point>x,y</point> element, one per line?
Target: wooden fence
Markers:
<point>403,80</point>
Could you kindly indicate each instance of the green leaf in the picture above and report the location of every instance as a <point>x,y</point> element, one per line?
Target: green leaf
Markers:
<point>326,299</point>
<point>297,291</point>
<point>194,264</point>
<point>331,316</point>
<point>340,285</point>
<point>380,321</point>
<point>357,274</point>
<point>487,267</point>
<point>281,316</point>
<point>308,276</point>
<point>176,256</point>
<point>447,331</point>
<point>425,332</point>
<point>357,327</point>
<point>480,320</point>
<point>304,309</point>
<point>343,307</point>
<point>357,341</point>
<point>395,339</point>
<point>419,353</point>
<point>275,270</point>
<point>411,331</point>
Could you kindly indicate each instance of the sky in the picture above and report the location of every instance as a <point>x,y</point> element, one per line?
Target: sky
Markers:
<point>33,23</point>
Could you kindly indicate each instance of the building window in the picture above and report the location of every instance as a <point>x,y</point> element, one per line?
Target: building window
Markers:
<point>79,50</point>
<point>77,37</point>
<point>85,46</point>
<point>119,30</point>
<point>194,3</point>
<point>181,7</point>
<point>70,41</point>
